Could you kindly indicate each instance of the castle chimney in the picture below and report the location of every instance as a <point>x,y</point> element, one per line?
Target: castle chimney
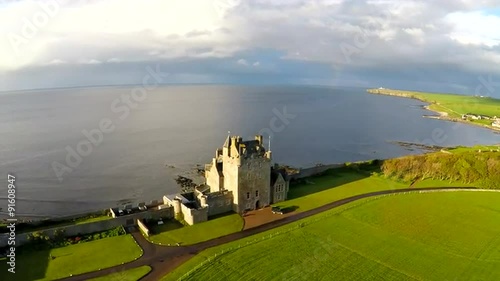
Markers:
<point>259,138</point>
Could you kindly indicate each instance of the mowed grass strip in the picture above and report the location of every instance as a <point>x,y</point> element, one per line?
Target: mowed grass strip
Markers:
<point>133,274</point>
<point>73,259</point>
<point>173,232</point>
<point>423,236</point>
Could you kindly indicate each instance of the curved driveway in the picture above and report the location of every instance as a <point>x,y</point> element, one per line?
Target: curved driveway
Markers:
<point>164,259</point>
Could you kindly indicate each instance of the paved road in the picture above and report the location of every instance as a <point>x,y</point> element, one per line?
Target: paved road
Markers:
<point>164,259</point>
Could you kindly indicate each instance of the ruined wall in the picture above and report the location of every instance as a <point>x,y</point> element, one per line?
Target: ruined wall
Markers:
<point>91,227</point>
<point>220,202</point>
<point>143,227</point>
<point>192,216</point>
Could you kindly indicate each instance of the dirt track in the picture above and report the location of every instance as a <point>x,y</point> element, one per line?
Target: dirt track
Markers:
<point>164,259</point>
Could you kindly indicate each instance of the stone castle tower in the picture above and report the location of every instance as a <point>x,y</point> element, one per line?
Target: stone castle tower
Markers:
<point>243,167</point>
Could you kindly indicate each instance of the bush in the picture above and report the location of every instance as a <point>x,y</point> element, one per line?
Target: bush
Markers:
<point>466,167</point>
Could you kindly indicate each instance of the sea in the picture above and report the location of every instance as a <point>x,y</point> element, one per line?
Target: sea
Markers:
<point>77,150</point>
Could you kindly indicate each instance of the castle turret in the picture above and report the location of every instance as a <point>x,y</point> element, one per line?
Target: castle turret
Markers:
<point>259,138</point>
<point>203,201</point>
<point>177,206</point>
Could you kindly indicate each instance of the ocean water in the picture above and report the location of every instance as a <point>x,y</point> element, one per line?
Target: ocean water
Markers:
<point>149,138</point>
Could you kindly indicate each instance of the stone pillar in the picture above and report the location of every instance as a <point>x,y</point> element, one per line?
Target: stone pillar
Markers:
<point>177,206</point>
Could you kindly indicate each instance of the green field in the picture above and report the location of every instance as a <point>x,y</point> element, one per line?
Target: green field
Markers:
<point>73,259</point>
<point>46,224</point>
<point>453,105</point>
<point>335,185</point>
<point>127,275</point>
<point>482,148</point>
<point>423,236</point>
<point>173,232</point>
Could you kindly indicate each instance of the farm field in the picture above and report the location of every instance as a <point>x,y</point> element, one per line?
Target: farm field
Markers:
<point>424,236</point>
<point>73,259</point>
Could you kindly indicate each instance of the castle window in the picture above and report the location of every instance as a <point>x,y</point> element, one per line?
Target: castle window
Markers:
<point>256,193</point>
<point>248,195</point>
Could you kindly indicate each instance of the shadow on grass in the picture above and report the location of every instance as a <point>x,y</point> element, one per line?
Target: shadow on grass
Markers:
<point>329,179</point>
<point>30,265</point>
<point>166,226</point>
<point>221,215</point>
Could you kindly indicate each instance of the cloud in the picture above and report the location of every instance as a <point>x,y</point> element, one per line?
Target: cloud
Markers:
<point>56,62</point>
<point>242,62</point>
<point>113,60</point>
<point>92,61</point>
<point>349,37</point>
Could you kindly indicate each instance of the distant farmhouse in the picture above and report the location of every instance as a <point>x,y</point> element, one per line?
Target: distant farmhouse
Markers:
<point>239,178</point>
<point>496,123</point>
<point>477,117</point>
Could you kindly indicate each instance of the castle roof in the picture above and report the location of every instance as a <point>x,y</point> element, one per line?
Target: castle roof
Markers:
<point>275,173</point>
<point>227,142</point>
<point>252,147</point>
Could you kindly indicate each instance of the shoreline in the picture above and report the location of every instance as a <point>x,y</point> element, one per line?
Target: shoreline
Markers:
<point>441,114</point>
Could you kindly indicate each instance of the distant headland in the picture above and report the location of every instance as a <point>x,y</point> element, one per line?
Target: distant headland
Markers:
<point>475,110</point>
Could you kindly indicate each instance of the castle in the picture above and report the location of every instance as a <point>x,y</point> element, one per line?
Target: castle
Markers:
<point>239,178</point>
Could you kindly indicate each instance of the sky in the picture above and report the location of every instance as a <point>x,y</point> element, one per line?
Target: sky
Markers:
<point>445,45</point>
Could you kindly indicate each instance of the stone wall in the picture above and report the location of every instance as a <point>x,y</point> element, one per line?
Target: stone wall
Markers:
<point>91,227</point>
<point>280,195</point>
<point>307,172</point>
<point>219,202</point>
<point>254,176</point>
<point>192,216</point>
<point>143,227</point>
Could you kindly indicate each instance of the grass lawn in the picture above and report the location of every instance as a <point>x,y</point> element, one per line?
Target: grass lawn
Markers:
<point>422,236</point>
<point>127,275</point>
<point>476,148</point>
<point>173,232</point>
<point>454,105</point>
<point>73,259</point>
<point>336,185</point>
